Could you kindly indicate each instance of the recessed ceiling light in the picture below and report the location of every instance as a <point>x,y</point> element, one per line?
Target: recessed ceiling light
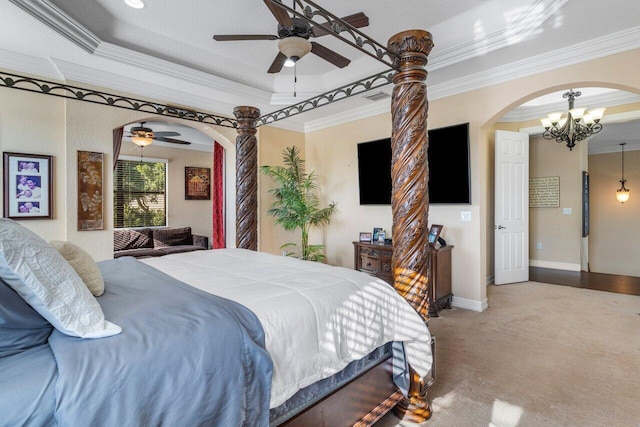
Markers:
<point>136,4</point>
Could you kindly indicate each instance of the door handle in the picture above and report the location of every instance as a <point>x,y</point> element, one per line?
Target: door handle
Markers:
<point>499,227</point>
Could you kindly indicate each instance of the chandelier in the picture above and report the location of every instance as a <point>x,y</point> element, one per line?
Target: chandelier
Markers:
<point>576,127</point>
<point>622,194</point>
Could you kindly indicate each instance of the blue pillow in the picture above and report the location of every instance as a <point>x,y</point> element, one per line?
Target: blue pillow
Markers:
<point>21,327</point>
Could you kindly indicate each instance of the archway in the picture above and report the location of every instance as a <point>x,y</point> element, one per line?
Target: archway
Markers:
<point>224,137</point>
<point>625,111</point>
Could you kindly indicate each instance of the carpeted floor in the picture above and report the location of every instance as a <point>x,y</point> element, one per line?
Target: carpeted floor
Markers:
<point>540,355</point>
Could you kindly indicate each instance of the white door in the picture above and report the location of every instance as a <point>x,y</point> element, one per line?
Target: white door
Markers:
<point>511,218</point>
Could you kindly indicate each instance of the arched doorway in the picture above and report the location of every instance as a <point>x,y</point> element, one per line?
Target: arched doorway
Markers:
<point>198,153</point>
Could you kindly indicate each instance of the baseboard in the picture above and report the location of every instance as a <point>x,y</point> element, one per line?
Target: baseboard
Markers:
<point>554,265</point>
<point>490,280</point>
<point>470,304</point>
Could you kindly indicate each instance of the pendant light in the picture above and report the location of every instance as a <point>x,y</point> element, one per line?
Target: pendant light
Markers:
<point>622,194</point>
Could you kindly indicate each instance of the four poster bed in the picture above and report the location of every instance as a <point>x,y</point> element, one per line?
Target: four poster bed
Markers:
<point>229,337</point>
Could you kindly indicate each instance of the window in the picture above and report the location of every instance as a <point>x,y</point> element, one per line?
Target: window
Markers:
<point>139,193</point>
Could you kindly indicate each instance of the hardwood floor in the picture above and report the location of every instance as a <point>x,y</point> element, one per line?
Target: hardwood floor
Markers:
<point>581,279</point>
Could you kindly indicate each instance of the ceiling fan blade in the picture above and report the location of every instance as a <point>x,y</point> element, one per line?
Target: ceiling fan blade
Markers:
<point>329,55</point>
<point>162,134</point>
<point>238,37</point>
<point>357,20</point>
<point>281,14</point>
<point>278,63</point>
<point>171,140</point>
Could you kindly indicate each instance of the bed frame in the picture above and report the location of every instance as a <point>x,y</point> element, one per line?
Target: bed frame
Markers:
<point>372,394</point>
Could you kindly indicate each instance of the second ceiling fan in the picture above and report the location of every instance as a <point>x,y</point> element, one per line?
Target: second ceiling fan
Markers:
<point>294,34</point>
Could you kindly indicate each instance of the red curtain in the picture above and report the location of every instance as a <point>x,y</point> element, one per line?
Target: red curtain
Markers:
<point>117,143</point>
<point>218,240</point>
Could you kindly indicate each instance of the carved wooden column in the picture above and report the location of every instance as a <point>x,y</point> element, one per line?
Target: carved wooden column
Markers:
<point>246,178</point>
<point>410,196</point>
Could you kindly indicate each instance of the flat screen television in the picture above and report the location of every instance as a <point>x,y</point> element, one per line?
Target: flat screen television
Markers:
<point>449,174</point>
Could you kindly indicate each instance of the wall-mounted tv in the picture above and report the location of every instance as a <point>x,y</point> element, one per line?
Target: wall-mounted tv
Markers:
<point>449,173</point>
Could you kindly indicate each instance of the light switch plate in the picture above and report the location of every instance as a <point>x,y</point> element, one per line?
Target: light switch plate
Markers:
<point>465,215</point>
<point>566,211</point>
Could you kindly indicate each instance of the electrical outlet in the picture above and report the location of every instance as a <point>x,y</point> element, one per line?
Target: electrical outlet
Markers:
<point>539,245</point>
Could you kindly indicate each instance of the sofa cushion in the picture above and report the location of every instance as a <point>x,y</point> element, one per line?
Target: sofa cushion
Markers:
<point>163,237</point>
<point>178,248</point>
<point>132,239</point>
<point>138,253</point>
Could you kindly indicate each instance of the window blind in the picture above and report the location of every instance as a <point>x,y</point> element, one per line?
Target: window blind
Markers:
<point>139,195</point>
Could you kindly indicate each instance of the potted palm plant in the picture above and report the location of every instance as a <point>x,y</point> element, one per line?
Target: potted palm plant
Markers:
<point>296,204</point>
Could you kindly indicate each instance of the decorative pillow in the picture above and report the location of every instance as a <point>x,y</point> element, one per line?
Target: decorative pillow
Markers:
<point>163,237</point>
<point>83,264</point>
<point>46,281</point>
<point>21,327</point>
<point>132,239</point>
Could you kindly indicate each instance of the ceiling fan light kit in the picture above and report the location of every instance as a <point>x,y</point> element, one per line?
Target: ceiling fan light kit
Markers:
<point>136,4</point>
<point>294,48</point>
<point>141,141</point>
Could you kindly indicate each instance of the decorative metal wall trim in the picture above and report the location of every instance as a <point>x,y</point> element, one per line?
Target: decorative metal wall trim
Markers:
<point>359,40</point>
<point>355,88</point>
<point>62,90</point>
<point>86,95</point>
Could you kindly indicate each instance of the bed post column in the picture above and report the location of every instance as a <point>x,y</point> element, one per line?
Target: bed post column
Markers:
<point>410,196</point>
<point>246,178</point>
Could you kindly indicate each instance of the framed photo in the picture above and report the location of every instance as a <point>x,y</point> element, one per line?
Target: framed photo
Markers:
<point>434,233</point>
<point>376,232</point>
<point>28,186</point>
<point>365,237</point>
<point>90,176</point>
<point>197,183</point>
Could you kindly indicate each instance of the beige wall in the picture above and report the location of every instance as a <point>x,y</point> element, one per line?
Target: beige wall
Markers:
<point>273,142</point>
<point>559,233</point>
<point>35,124</point>
<point>614,232</point>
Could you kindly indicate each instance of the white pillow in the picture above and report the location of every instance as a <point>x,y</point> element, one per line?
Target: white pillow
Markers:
<point>83,264</point>
<point>43,278</point>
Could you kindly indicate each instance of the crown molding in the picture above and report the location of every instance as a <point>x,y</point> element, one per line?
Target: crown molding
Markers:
<point>597,48</point>
<point>143,88</point>
<point>517,31</point>
<point>47,13</point>
<point>233,92</point>
<point>378,107</point>
<point>32,65</point>
<point>521,114</point>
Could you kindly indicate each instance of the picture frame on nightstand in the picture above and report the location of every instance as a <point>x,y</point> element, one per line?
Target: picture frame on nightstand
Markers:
<point>434,233</point>
<point>365,237</point>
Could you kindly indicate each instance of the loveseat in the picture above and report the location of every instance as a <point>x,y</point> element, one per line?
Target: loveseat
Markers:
<point>151,242</point>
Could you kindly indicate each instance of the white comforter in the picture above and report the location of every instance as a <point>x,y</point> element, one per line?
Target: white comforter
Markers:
<point>317,318</point>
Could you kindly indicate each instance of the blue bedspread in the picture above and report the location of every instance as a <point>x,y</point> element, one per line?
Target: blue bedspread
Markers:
<point>185,358</point>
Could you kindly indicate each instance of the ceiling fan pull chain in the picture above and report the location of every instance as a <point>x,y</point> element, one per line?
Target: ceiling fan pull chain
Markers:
<point>295,79</point>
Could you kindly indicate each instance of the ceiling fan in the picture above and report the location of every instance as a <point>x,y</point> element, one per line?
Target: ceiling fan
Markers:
<point>143,136</point>
<point>294,34</point>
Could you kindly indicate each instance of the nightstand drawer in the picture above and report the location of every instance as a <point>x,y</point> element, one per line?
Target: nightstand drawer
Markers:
<point>368,264</point>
